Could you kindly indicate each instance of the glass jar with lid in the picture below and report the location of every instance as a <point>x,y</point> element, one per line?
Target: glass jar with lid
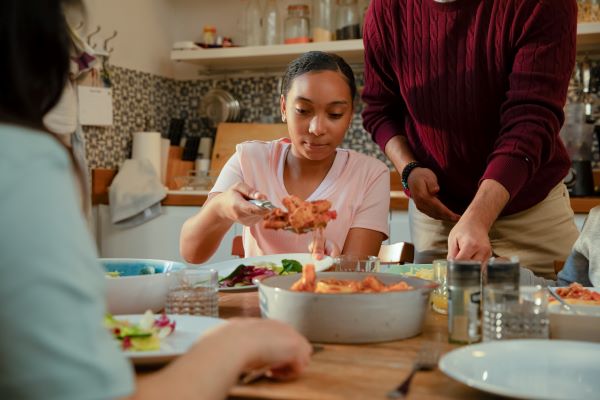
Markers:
<point>322,24</point>
<point>297,24</point>
<point>347,20</point>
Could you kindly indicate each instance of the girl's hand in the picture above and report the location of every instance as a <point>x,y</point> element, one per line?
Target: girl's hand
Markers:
<point>235,207</point>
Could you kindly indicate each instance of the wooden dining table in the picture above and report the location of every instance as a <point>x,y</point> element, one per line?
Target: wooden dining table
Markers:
<point>356,371</point>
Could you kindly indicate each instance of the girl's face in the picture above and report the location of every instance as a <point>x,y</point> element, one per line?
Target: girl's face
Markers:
<point>318,110</point>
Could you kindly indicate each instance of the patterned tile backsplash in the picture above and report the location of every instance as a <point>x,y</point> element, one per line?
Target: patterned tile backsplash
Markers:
<point>142,101</point>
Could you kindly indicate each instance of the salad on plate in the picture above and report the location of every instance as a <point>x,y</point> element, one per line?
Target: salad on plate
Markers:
<point>142,336</point>
<point>244,275</point>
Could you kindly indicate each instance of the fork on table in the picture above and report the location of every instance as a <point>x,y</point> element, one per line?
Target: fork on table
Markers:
<point>426,360</point>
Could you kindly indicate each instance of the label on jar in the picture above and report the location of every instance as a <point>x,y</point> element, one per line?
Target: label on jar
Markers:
<point>300,39</point>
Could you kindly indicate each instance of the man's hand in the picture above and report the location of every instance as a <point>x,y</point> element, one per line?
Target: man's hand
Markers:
<point>424,187</point>
<point>469,239</point>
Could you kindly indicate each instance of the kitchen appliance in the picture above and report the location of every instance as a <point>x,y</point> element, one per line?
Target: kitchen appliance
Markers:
<point>578,133</point>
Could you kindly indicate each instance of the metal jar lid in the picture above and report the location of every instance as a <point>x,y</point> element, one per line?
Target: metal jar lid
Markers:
<point>502,271</point>
<point>464,273</point>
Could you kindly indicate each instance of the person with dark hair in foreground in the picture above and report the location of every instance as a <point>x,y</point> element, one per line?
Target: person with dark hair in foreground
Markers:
<point>54,345</point>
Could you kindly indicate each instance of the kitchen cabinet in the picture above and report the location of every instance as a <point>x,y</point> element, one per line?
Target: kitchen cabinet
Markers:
<point>277,56</point>
<point>155,239</point>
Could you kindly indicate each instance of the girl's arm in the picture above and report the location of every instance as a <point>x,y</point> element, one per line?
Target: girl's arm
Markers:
<point>202,234</point>
<point>363,242</point>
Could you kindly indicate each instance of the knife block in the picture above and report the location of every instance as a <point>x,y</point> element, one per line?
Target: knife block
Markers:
<point>176,167</point>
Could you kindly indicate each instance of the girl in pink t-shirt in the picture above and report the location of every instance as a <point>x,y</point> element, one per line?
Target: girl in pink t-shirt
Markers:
<point>317,103</point>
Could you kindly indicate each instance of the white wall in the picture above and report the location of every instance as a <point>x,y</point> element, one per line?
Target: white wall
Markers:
<point>145,32</point>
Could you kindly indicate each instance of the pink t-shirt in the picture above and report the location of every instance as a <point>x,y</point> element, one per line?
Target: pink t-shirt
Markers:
<point>357,185</point>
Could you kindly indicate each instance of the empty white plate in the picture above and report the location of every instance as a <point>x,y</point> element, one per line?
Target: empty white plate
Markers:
<point>528,369</point>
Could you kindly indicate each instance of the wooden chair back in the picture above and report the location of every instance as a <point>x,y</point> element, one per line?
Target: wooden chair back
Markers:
<point>397,253</point>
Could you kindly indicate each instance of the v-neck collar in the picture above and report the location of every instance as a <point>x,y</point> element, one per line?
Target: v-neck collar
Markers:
<point>334,172</point>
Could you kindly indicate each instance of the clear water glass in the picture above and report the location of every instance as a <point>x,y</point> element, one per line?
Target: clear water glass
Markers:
<point>515,314</point>
<point>193,292</point>
<point>439,295</point>
<point>350,263</point>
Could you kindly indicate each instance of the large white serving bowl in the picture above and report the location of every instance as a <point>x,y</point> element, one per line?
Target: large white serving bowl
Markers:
<point>133,292</point>
<point>351,317</point>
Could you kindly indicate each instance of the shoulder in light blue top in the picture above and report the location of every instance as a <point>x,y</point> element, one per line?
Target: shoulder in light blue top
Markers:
<point>53,344</point>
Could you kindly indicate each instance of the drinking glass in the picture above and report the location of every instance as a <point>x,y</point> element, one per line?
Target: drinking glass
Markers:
<point>439,295</point>
<point>515,314</point>
<point>193,291</point>
<point>350,263</point>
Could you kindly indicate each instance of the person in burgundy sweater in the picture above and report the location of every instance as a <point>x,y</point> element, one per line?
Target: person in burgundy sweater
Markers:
<point>466,99</point>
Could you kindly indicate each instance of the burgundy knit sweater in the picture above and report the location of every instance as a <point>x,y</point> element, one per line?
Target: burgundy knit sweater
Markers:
<point>478,88</point>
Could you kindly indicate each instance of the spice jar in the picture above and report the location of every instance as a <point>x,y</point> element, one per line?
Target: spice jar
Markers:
<point>208,35</point>
<point>347,20</point>
<point>297,24</point>
<point>501,273</point>
<point>464,298</point>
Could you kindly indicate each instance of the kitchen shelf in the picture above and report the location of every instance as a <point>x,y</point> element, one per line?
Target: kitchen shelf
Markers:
<point>588,34</point>
<point>277,56</point>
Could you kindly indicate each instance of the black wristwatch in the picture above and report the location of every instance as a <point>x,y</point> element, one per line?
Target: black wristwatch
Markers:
<point>406,172</point>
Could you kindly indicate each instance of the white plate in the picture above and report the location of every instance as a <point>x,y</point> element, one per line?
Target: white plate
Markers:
<point>224,268</point>
<point>528,369</point>
<point>188,328</point>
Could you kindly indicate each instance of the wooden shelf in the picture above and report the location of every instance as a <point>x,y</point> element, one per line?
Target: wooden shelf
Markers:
<point>254,57</point>
<point>277,56</point>
<point>588,34</point>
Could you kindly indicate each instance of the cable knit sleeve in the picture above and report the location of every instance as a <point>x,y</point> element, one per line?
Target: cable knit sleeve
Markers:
<point>383,115</point>
<point>531,117</point>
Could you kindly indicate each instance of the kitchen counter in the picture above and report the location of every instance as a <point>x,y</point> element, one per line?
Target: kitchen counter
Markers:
<point>101,179</point>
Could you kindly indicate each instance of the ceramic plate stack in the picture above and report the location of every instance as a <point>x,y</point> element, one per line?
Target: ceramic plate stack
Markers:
<point>220,106</point>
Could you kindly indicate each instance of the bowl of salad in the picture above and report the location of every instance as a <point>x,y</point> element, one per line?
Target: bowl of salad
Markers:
<point>134,285</point>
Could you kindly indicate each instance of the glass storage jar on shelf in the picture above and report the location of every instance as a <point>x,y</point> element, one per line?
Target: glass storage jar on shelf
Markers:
<point>347,20</point>
<point>253,23</point>
<point>323,21</point>
<point>297,24</point>
<point>272,23</point>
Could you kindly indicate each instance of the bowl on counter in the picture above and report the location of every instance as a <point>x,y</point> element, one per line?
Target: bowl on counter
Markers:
<point>134,285</point>
<point>585,325</point>
<point>349,317</point>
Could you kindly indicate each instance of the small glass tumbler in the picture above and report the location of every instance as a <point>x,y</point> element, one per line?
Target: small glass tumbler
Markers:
<point>439,295</point>
<point>515,314</point>
<point>350,263</point>
<point>194,292</point>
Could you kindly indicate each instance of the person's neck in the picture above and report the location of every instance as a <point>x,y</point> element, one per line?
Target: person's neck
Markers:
<point>302,167</point>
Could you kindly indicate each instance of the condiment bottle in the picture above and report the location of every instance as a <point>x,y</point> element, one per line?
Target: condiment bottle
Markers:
<point>464,299</point>
<point>208,35</point>
<point>272,23</point>
<point>297,24</point>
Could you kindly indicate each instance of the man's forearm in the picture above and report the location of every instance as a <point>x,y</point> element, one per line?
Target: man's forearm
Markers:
<point>489,201</point>
<point>399,153</point>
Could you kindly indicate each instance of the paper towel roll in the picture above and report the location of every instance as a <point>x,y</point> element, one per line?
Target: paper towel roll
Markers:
<point>147,145</point>
<point>164,159</point>
<point>205,147</point>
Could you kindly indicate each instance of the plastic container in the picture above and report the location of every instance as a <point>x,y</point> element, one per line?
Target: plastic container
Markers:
<point>297,24</point>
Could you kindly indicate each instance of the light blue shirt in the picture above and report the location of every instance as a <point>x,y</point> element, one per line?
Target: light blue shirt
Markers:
<point>52,342</point>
